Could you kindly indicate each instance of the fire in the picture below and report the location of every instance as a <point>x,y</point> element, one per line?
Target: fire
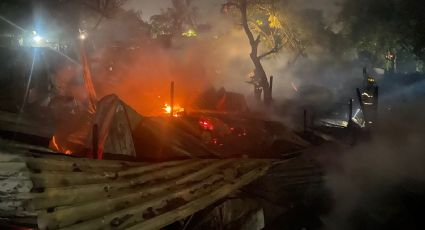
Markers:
<point>167,108</point>
<point>177,110</point>
<point>54,145</point>
<point>206,124</point>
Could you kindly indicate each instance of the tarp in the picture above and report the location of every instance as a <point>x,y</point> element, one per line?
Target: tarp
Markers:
<point>108,130</point>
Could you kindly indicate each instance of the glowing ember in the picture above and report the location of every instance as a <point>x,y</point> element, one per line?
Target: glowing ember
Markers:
<point>206,124</point>
<point>177,110</point>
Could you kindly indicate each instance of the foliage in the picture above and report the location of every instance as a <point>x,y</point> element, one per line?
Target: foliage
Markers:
<point>264,23</point>
<point>106,8</point>
<point>276,31</point>
<point>374,27</point>
<point>175,20</point>
<point>68,15</point>
<point>267,19</point>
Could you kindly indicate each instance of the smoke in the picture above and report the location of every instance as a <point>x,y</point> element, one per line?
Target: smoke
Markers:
<point>220,58</point>
<point>380,183</point>
<point>329,8</point>
<point>362,179</point>
<point>141,75</point>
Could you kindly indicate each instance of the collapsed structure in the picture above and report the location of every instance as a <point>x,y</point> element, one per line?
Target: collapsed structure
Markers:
<point>109,167</point>
<point>166,169</point>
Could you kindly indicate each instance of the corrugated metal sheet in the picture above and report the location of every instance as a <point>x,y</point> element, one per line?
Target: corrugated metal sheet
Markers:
<point>62,192</point>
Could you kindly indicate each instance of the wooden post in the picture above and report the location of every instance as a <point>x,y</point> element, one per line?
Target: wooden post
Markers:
<point>350,112</point>
<point>312,119</point>
<point>172,99</point>
<point>351,130</point>
<point>271,87</point>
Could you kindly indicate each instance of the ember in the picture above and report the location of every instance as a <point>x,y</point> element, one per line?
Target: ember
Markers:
<point>206,124</point>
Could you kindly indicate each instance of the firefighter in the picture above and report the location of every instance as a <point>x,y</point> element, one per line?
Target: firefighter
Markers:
<point>369,99</point>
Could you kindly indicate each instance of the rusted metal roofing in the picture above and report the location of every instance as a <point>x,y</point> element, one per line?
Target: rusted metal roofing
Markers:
<point>62,192</point>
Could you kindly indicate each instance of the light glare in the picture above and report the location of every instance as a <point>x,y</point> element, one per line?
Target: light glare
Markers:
<point>37,38</point>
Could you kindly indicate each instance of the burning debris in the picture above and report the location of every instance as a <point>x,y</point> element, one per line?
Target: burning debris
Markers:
<point>177,110</point>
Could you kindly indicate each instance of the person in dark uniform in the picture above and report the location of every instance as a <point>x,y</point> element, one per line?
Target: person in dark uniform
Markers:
<point>369,98</point>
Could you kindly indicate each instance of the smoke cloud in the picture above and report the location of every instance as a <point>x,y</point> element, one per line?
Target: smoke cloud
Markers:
<point>220,58</point>
<point>378,184</point>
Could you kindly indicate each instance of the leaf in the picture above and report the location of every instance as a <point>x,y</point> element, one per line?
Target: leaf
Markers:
<point>274,22</point>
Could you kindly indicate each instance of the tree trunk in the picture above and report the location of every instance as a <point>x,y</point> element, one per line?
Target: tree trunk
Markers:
<point>261,74</point>
<point>257,93</point>
<point>259,70</point>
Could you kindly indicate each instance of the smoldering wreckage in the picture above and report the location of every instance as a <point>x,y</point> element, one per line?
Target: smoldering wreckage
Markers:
<point>99,164</point>
<point>107,122</point>
<point>102,165</point>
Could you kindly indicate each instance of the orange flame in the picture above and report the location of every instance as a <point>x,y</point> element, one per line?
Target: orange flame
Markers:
<point>176,110</point>
<point>54,145</point>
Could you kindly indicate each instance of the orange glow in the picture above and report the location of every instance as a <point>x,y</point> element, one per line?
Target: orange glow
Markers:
<point>206,124</point>
<point>177,110</point>
<point>141,77</point>
<point>167,108</point>
<point>54,146</point>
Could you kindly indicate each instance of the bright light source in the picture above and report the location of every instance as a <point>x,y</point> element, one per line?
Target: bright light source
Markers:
<point>190,33</point>
<point>83,36</point>
<point>37,38</point>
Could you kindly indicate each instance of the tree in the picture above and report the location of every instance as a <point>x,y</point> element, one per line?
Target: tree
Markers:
<point>263,23</point>
<point>175,20</point>
<point>379,26</point>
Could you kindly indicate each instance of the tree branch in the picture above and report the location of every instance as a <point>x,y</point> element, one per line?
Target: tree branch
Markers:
<point>243,9</point>
<point>257,40</point>
<point>102,7</point>
<point>272,51</point>
<point>97,23</point>
<point>94,8</point>
<point>228,4</point>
